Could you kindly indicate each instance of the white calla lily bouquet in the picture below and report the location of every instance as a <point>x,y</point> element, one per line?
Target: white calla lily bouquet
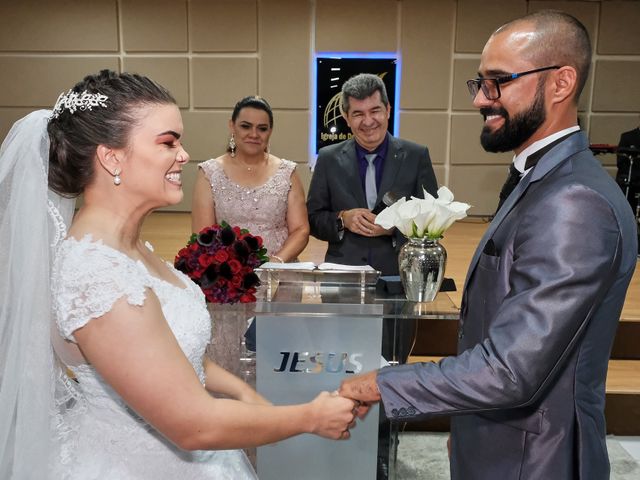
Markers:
<point>423,218</point>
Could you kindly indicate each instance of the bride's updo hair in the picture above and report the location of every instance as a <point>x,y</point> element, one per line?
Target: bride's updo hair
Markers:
<point>74,136</point>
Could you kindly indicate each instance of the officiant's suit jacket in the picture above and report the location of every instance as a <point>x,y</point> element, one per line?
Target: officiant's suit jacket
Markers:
<point>540,308</point>
<point>336,186</point>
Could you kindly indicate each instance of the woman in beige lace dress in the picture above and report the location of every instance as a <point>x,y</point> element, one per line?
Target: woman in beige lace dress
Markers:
<point>249,187</point>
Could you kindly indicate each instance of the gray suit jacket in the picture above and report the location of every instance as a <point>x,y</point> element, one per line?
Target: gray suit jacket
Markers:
<point>336,186</point>
<point>540,309</point>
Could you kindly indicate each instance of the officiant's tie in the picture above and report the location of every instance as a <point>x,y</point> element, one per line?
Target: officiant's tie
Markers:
<point>370,187</point>
<point>512,181</point>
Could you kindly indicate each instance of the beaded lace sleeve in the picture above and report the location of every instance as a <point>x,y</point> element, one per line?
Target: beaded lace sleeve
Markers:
<point>88,279</point>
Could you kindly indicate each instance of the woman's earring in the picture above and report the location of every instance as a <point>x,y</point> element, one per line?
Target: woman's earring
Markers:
<point>116,177</point>
<point>232,145</point>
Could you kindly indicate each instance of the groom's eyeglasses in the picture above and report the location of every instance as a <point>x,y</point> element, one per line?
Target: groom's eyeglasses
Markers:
<point>491,86</point>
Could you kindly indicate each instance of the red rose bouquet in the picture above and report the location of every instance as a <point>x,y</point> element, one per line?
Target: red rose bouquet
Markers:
<point>221,259</point>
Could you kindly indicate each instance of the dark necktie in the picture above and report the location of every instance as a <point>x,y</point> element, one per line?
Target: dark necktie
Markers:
<point>509,185</point>
<point>514,175</point>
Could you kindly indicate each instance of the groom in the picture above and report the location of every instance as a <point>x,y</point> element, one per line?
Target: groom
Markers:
<point>545,287</point>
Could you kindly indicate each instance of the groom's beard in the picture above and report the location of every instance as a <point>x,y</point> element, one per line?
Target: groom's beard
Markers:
<point>517,129</point>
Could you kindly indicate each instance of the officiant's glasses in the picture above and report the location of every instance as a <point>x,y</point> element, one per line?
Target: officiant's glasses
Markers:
<point>490,86</point>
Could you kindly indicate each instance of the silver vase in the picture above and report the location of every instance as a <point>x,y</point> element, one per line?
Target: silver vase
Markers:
<point>422,263</point>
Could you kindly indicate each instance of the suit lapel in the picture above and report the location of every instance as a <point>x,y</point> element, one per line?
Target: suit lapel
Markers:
<point>509,203</point>
<point>392,163</point>
<point>349,165</point>
<point>549,161</point>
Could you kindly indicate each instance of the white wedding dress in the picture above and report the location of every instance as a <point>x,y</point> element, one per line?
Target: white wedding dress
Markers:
<point>97,435</point>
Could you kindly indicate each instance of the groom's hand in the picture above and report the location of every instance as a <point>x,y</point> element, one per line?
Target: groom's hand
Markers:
<point>361,409</point>
<point>363,388</point>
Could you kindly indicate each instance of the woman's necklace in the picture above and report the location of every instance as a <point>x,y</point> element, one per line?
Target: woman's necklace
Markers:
<point>253,168</point>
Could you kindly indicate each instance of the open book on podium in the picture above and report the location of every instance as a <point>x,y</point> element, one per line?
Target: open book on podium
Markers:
<point>310,266</point>
<point>272,273</point>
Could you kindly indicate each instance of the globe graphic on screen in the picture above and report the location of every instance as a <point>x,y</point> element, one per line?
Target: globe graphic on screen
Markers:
<point>332,112</point>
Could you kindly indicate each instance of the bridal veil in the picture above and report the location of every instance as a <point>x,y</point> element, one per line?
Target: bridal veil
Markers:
<point>32,222</point>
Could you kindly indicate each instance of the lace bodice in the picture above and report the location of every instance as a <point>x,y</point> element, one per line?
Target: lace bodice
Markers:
<point>262,210</point>
<point>100,436</point>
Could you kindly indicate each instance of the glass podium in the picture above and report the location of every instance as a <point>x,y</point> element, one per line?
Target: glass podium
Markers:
<point>315,328</point>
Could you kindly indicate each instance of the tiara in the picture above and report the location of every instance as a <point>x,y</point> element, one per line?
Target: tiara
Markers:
<point>73,101</point>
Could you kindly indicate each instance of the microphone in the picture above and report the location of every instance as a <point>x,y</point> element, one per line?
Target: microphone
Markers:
<point>388,199</point>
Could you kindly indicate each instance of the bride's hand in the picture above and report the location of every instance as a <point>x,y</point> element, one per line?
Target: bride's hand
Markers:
<point>332,416</point>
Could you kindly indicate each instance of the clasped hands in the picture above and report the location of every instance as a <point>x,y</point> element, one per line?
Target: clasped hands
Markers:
<point>362,392</point>
<point>362,222</point>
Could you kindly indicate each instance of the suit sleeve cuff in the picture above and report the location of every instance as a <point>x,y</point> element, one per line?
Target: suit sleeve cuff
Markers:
<point>390,384</point>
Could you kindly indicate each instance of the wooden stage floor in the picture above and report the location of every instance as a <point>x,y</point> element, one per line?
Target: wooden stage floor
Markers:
<point>168,232</point>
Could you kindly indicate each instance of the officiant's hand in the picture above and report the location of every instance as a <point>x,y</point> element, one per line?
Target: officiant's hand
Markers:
<point>376,230</point>
<point>362,222</point>
<point>361,387</point>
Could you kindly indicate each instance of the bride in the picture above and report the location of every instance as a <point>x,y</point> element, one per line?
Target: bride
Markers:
<point>124,394</point>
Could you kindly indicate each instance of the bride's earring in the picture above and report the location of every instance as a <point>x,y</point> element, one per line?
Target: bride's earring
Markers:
<point>116,177</point>
<point>232,145</point>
